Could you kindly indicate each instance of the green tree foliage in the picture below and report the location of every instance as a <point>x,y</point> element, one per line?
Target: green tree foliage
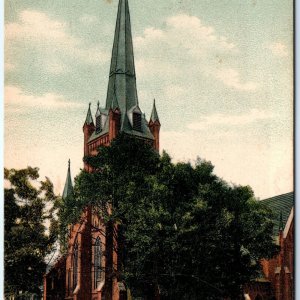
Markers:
<point>26,242</point>
<point>183,230</point>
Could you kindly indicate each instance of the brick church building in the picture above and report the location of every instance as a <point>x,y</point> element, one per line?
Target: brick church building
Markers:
<point>79,275</point>
<point>92,245</point>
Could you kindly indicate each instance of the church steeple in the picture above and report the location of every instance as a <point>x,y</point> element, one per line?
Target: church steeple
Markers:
<point>122,92</point>
<point>68,189</point>
<point>122,112</point>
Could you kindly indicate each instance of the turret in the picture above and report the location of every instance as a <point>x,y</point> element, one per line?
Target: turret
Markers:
<point>154,126</point>
<point>88,129</point>
<point>68,189</point>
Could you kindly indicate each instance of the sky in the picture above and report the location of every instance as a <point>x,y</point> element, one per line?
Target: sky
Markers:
<point>221,73</point>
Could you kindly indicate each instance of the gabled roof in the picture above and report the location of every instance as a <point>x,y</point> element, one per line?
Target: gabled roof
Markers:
<point>68,189</point>
<point>104,131</point>
<point>281,206</point>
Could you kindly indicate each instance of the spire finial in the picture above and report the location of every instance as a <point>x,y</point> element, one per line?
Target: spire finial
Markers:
<point>69,163</point>
<point>98,104</point>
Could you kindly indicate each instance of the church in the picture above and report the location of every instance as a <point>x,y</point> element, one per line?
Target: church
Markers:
<point>78,274</point>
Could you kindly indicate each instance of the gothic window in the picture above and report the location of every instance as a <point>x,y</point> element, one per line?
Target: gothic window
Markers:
<point>97,262</point>
<point>137,121</point>
<point>98,123</point>
<point>75,265</point>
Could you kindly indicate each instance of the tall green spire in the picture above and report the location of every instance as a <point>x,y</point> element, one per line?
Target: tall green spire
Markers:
<point>68,189</point>
<point>122,90</point>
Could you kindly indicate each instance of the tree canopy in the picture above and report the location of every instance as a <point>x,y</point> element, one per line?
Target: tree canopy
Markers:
<point>27,241</point>
<point>186,232</point>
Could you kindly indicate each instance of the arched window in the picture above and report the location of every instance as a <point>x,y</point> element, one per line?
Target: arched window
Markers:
<point>137,121</point>
<point>98,124</point>
<point>75,265</point>
<point>97,262</point>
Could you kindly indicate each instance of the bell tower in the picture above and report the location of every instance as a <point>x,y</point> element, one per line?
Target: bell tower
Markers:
<point>121,112</point>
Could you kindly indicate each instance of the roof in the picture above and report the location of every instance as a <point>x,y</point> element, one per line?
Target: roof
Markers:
<point>122,91</point>
<point>89,118</point>
<point>281,206</point>
<point>68,189</point>
<point>104,131</point>
<point>154,116</point>
<point>122,80</point>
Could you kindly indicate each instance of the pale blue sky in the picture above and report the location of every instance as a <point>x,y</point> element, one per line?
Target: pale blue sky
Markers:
<point>221,73</point>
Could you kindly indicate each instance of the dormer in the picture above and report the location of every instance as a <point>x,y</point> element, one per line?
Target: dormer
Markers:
<point>135,118</point>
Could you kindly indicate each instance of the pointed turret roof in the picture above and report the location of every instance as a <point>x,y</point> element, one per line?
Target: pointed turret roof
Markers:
<point>122,90</point>
<point>89,118</point>
<point>154,116</point>
<point>98,112</point>
<point>68,189</point>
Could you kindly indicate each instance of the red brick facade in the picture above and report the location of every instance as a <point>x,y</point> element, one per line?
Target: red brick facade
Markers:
<point>278,272</point>
<point>82,237</point>
<point>91,267</point>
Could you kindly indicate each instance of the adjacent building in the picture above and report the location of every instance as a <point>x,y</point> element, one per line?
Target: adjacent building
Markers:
<point>277,280</point>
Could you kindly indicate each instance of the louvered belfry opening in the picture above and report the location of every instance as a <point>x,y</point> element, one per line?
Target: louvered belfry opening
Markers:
<point>137,121</point>
<point>98,124</point>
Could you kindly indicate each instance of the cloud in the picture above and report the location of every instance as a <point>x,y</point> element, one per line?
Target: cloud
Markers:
<point>16,100</point>
<point>35,26</point>
<point>232,78</point>
<point>36,31</point>
<point>87,19</point>
<point>278,49</point>
<point>187,44</point>
<point>173,91</point>
<point>186,32</point>
<point>197,34</point>
<point>222,120</point>
<point>239,158</point>
<point>55,67</point>
<point>8,66</point>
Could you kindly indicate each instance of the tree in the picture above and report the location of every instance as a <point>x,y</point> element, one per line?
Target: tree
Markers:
<point>26,241</point>
<point>184,231</point>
